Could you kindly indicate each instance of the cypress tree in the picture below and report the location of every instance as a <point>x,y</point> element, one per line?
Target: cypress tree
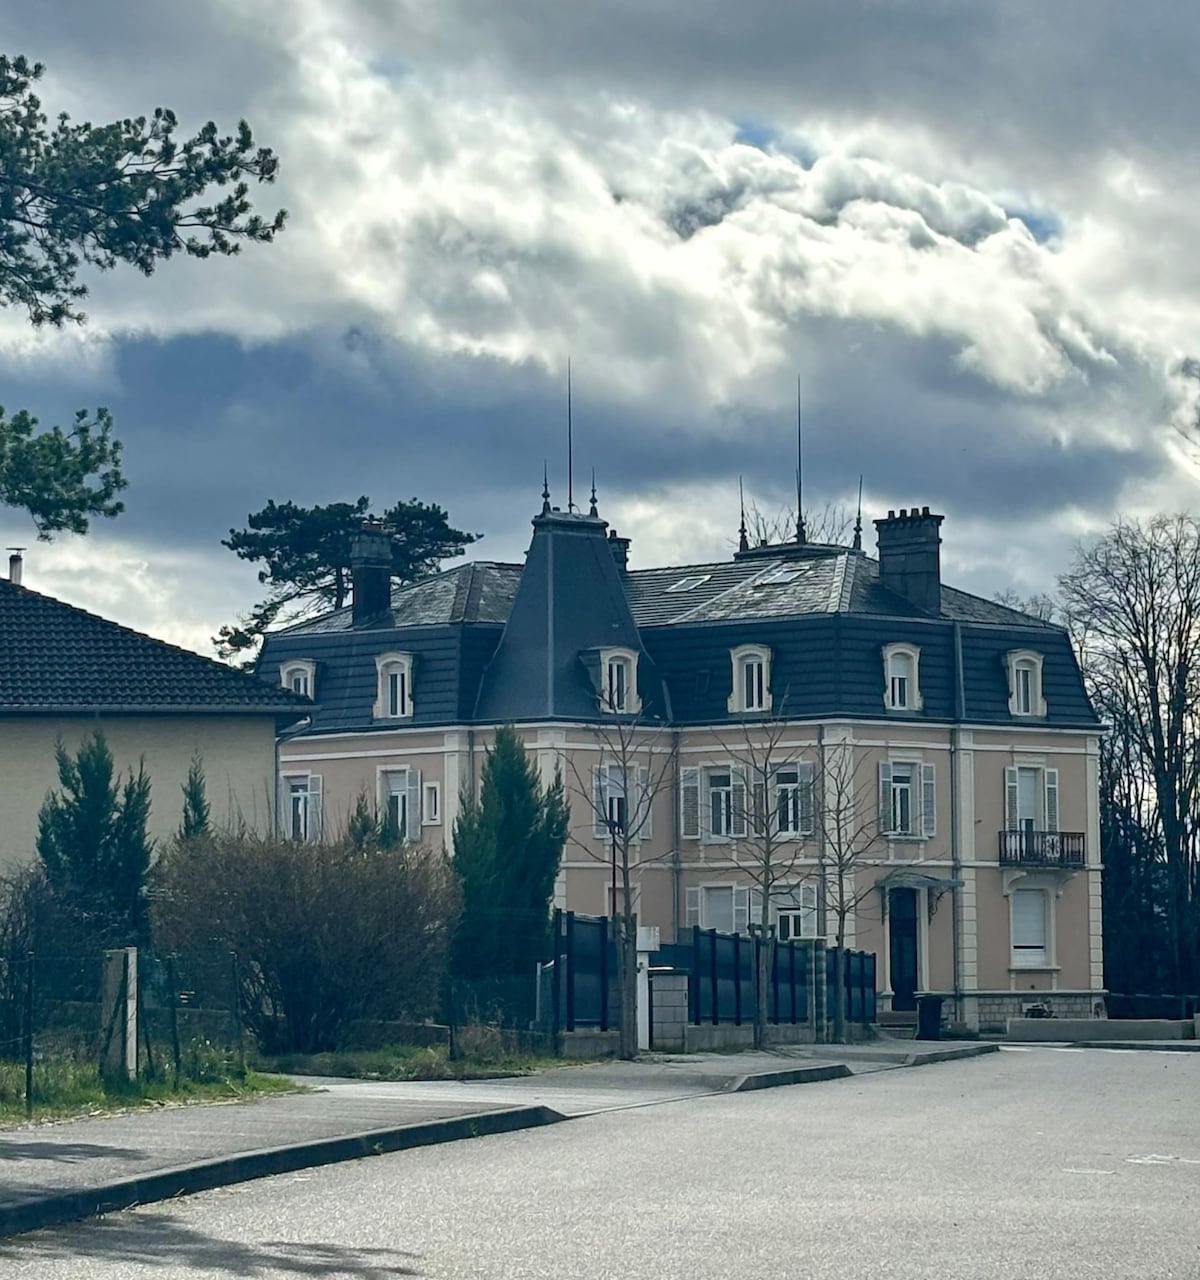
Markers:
<point>195,803</point>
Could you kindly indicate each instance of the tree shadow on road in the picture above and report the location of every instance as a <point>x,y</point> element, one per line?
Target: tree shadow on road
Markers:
<point>157,1239</point>
<point>66,1152</point>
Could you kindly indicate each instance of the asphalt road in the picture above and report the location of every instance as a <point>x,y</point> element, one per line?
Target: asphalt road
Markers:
<point>1025,1164</point>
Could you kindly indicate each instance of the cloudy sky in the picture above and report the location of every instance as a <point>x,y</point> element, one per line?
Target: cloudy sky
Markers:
<point>970,227</point>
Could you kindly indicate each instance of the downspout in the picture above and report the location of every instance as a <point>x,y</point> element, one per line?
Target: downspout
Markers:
<point>822,915</point>
<point>955,843</point>
<point>676,837</point>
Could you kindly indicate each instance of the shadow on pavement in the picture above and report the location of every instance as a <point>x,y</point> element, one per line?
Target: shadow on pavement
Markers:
<point>65,1152</point>
<point>160,1240</point>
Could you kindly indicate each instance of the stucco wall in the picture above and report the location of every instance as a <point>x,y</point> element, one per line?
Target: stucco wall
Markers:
<point>239,768</point>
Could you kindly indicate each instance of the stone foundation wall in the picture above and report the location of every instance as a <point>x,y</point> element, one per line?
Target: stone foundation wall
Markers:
<point>990,1012</point>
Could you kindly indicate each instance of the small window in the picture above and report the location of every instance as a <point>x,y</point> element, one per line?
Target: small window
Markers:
<point>902,689</point>
<point>725,804</point>
<point>401,803</point>
<point>300,807</point>
<point>432,808</point>
<point>907,799</point>
<point>299,676</point>
<point>780,577</point>
<point>690,583</point>
<point>751,679</point>
<point>394,696</point>
<point>1025,696</point>
<point>796,913</point>
<point>619,692</point>
<point>793,809</point>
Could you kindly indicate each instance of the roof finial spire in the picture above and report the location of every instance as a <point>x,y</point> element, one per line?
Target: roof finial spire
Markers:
<point>743,541</point>
<point>545,488</point>
<point>857,544</point>
<point>801,534</point>
<point>592,509</point>
<point>570,446</point>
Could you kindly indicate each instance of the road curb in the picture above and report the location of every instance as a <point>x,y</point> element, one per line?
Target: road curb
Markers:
<point>789,1075</point>
<point>166,1184</point>
<point>925,1057</point>
<point>1134,1046</point>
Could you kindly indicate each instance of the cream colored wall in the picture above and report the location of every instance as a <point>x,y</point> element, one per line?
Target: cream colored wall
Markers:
<point>239,768</point>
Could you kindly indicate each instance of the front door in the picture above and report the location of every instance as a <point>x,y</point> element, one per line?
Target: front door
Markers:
<point>902,919</point>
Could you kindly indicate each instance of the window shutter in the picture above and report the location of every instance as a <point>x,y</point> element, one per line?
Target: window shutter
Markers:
<point>805,801</point>
<point>808,901</point>
<point>689,804</point>
<point>762,819</point>
<point>413,823</point>
<point>282,809</point>
<point>692,911</point>
<point>314,806</point>
<point>599,801</point>
<point>755,907</point>
<point>1029,918</point>
<point>885,796</point>
<point>643,815</point>
<point>1051,799</point>
<point>737,819</point>
<point>928,801</point>
<point>741,908</point>
<point>1010,799</point>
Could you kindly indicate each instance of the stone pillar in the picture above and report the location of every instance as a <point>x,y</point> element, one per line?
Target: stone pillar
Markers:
<point>670,1012</point>
<point>648,942</point>
<point>118,1014</point>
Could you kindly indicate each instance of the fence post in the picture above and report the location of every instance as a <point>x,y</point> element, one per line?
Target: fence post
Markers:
<point>173,1001</point>
<point>712,969</point>
<point>737,979</point>
<point>570,971</point>
<point>604,977</point>
<point>28,1037</point>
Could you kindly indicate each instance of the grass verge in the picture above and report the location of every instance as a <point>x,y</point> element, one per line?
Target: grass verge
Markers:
<point>405,1062</point>
<point>68,1087</point>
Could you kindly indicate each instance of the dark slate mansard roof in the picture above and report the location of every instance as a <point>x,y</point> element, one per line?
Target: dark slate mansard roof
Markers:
<point>495,642</point>
<point>56,659</point>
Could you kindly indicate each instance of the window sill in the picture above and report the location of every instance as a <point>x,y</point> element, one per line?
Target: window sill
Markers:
<point>1035,968</point>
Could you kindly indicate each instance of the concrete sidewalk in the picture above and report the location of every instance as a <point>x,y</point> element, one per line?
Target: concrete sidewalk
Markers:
<point>56,1173</point>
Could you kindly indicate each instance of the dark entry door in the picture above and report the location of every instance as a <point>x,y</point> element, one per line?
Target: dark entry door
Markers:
<point>902,918</point>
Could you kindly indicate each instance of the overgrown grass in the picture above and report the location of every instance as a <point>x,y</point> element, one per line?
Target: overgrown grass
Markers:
<point>67,1085</point>
<point>406,1062</point>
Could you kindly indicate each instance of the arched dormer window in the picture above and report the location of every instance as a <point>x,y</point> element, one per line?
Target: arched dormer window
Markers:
<point>901,677</point>
<point>751,678</point>
<point>394,700</point>
<point>1025,696</point>
<point>619,685</point>
<point>300,676</point>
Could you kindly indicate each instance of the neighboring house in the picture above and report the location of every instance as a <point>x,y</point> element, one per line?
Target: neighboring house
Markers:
<point>65,673</point>
<point>973,745</point>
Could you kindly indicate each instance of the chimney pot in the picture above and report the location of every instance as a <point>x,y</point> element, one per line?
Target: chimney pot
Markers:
<point>15,564</point>
<point>371,573</point>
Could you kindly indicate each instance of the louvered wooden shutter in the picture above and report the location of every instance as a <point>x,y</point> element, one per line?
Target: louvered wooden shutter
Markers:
<point>741,908</point>
<point>283,810</point>
<point>928,801</point>
<point>643,814</point>
<point>413,807</point>
<point>1010,799</point>
<point>805,801</point>
<point>692,911</point>
<point>689,804</point>
<point>314,806</point>
<point>599,801</point>
<point>1051,799</point>
<point>762,819</point>
<point>737,817</point>
<point>885,796</point>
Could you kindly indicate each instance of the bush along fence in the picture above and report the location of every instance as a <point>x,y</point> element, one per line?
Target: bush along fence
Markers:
<point>127,1012</point>
<point>705,981</point>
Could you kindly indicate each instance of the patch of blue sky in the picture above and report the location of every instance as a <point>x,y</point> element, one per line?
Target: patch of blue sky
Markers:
<point>1043,225</point>
<point>390,68</point>
<point>754,133</point>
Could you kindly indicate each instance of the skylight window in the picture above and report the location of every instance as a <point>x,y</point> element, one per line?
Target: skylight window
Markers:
<point>780,577</point>
<point>687,584</point>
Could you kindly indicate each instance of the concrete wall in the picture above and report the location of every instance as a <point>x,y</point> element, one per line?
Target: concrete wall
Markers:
<point>239,767</point>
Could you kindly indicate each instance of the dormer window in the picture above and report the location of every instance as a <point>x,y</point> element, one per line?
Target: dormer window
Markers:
<point>619,690</point>
<point>901,671</point>
<point>299,676</point>
<point>1025,696</point>
<point>394,698</point>
<point>751,678</point>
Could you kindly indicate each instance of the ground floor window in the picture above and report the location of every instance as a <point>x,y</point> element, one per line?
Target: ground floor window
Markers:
<point>1029,929</point>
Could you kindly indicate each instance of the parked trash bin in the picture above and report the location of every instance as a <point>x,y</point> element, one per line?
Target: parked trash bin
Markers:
<point>929,1017</point>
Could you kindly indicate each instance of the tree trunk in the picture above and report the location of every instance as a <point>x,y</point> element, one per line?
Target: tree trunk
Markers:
<point>627,985</point>
<point>839,988</point>
<point>764,959</point>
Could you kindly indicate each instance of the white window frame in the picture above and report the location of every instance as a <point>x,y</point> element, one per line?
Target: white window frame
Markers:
<point>386,666</point>
<point>922,803</point>
<point>800,911</point>
<point>790,797</point>
<point>610,659</point>
<point>746,655</point>
<point>733,807</point>
<point>300,786</point>
<point>743,900</point>
<point>894,655</point>
<point>431,804</point>
<point>302,669</point>
<point>1030,661</point>
<point>404,783</point>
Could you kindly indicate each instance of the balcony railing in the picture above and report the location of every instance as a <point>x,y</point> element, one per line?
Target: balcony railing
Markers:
<point>1042,848</point>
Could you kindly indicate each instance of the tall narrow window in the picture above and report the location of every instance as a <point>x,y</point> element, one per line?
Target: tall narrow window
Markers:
<point>907,799</point>
<point>394,694</point>
<point>298,809</point>
<point>794,800</point>
<point>298,676</point>
<point>1029,928</point>
<point>618,693</point>
<point>902,686</point>
<point>902,799</point>
<point>1025,695</point>
<point>401,803</point>
<point>751,679</point>
<point>796,912</point>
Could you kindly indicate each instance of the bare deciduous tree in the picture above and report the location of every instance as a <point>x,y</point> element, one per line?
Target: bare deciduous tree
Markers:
<point>831,523</point>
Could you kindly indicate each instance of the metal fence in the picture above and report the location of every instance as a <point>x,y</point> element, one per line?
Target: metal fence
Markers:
<point>859,983</point>
<point>584,981</point>
<point>1139,1005</point>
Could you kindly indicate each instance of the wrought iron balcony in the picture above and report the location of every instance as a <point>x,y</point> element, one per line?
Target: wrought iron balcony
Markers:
<point>1042,848</point>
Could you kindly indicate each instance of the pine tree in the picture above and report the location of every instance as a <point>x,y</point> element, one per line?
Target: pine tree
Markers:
<point>195,803</point>
<point>508,844</point>
<point>93,844</point>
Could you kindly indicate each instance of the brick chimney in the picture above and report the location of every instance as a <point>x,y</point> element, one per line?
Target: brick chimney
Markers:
<point>16,562</point>
<point>620,550</point>
<point>371,573</point>
<point>910,556</point>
